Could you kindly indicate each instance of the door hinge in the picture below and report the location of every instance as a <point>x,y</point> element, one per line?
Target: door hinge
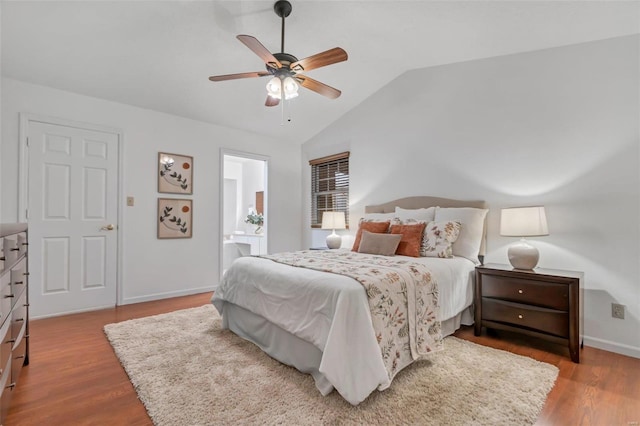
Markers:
<point>26,213</point>
<point>27,142</point>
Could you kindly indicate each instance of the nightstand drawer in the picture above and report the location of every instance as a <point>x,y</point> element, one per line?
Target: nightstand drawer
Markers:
<point>545,320</point>
<point>550,295</point>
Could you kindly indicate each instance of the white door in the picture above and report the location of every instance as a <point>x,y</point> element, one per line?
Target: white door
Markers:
<point>72,215</point>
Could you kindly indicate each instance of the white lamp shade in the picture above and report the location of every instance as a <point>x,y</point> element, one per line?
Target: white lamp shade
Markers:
<point>333,220</point>
<point>523,222</point>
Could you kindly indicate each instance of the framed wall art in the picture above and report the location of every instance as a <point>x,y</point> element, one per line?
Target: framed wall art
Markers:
<point>175,218</point>
<point>175,173</point>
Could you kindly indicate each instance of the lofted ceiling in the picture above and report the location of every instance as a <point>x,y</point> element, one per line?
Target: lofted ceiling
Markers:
<point>159,54</point>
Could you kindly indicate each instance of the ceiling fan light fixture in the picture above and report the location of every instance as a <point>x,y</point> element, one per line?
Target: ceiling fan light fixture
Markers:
<point>274,87</point>
<point>290,88</point>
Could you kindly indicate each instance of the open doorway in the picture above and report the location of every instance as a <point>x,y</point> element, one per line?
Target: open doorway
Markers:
<point>243,206</point>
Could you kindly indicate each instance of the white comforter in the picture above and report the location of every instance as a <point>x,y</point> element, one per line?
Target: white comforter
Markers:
<point>331,312</point>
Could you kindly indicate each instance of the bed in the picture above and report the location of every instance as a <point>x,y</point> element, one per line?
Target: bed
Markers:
<point>323,323</point>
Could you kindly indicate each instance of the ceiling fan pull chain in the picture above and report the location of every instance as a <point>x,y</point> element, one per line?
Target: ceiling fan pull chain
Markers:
<point>282,102</point>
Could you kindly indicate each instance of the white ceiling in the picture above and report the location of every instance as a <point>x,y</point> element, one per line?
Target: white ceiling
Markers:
<point>159,54</point>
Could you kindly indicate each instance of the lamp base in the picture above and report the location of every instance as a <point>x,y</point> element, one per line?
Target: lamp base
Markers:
<point>334,241</point>
<point>523,255</point>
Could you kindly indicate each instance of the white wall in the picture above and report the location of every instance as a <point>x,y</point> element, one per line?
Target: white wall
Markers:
<point>253,181</point>
<point>155,268</point>
<point>233,170</point>
<point>557,127</point>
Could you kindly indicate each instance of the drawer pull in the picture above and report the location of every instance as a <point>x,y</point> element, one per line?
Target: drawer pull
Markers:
<point>19,320</point>
<point>520,291</point>
<point>10,341</point>
<point>14,249</point>
<point>520,316</point>
<point>25,244</point>
<point>8,296</point>
<point>26,274</point>
<point>18,282</point>
<point>11,386</point>
<point>3,258</point>
<point>19,357</point>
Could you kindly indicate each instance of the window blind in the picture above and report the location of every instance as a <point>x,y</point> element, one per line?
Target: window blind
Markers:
<point>329,187</point>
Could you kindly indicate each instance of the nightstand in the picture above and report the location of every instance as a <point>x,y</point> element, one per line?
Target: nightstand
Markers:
<point>543,303</point>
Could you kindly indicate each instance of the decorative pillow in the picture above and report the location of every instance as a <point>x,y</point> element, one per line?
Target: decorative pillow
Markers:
<point>418,214</point>
<point>438,238</point>
<point>378,217</point>
<point>472,230</point>
<point>375,227</point>
<point>384,244</point>
<point>411,238</point>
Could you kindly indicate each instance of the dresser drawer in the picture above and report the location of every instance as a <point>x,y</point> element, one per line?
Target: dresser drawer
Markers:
<point>22,243</point>
<point>539,293</point>
<point>17,361</point>
<point>5,344</point>
<point>5,381</point>
<point>19,318</point>
<point>5,296</point>
<point>10,250</point>
<point>540,319</point>
<point>18,280</point>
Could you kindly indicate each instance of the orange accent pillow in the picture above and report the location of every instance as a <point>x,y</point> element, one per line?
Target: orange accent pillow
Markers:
<point>375,227</point>
<point>411,238</point>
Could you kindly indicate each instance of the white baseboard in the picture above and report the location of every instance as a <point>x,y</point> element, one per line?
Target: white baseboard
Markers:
<point>167,295</point>
<point>147,298</point>
<point>607,345</point>
<point>58,314</point>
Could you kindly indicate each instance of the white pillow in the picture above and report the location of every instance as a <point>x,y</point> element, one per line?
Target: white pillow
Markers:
<point>418,214</point>
<point>378,217</point>
<point>470,238</point>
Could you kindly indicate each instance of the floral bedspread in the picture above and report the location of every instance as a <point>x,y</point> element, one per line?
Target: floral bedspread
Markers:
<point>403,299</point>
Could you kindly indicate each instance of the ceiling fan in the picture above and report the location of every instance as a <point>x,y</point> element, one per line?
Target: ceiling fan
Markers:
<point>286,70</point>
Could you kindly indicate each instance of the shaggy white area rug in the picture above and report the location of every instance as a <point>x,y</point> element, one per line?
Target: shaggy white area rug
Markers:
<point>188,371</point>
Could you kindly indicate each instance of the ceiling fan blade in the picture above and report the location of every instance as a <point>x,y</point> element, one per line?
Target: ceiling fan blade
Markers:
<point>257,47</point>
<point>270,102</point>
<point>318,87</point>
<point>239,75</point>
<point>322,59</point>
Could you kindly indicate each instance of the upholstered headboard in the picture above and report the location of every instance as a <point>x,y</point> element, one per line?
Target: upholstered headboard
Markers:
<point>425,202</point>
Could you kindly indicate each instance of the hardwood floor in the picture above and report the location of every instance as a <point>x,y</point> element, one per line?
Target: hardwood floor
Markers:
<point>74,378</point>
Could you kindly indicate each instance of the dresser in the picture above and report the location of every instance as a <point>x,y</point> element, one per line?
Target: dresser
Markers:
<point>543,303</point>
<point>14,309</point>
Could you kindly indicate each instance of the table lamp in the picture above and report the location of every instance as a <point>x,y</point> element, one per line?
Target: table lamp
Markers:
<point>523,222</point>
<point>333,221</point>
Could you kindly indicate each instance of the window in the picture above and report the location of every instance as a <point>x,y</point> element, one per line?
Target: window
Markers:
<point>329,187</point>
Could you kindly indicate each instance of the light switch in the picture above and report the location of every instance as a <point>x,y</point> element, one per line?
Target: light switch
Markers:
<point>130,201</point>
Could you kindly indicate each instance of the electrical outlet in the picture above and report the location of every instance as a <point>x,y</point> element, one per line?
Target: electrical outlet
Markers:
<point>617,310</point>
<point>130,201</point>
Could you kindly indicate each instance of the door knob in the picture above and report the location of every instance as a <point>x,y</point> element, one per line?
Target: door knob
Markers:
<point>109,227</point>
